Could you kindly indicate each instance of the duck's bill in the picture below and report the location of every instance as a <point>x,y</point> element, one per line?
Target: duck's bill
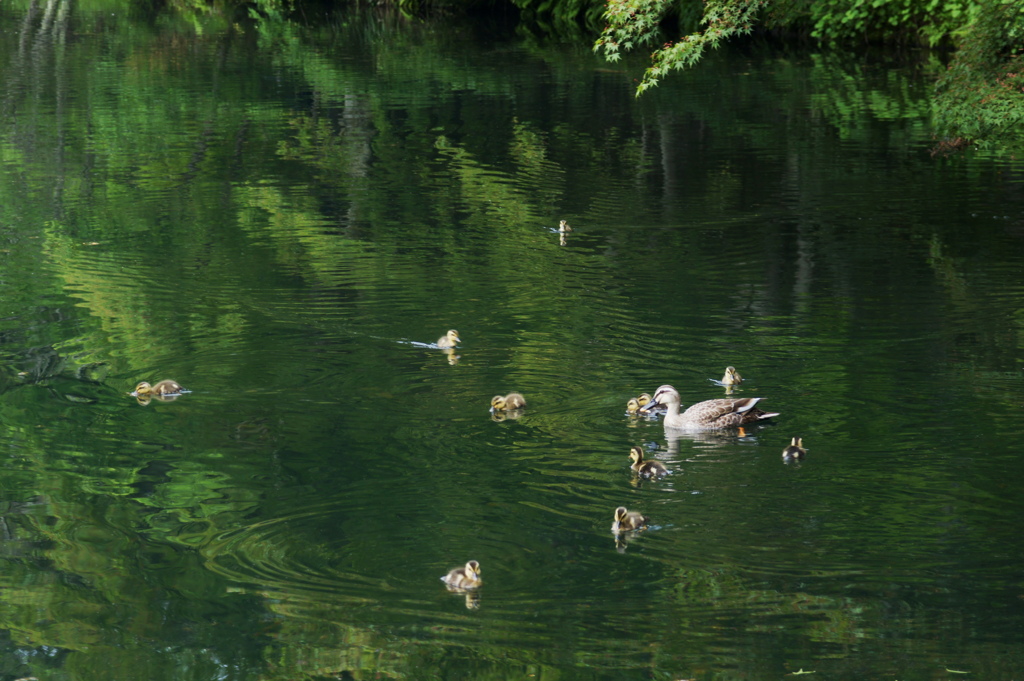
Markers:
<point>649,407</point>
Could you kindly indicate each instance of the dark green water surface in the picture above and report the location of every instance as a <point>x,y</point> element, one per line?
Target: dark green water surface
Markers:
<point>284,222</point>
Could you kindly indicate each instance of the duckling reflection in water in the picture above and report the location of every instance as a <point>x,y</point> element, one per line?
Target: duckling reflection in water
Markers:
<point>146,399</point>
<point>508,402</point>
<point>449,339</point>
<point>709,414</point>
<point>472,599</point>
<point>794,451</point>
<point>645,468</point>
<point>497,415</point>
<point>462,578</point>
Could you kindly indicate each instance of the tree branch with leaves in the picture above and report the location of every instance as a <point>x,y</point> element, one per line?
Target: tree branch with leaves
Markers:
<point>633,23</point>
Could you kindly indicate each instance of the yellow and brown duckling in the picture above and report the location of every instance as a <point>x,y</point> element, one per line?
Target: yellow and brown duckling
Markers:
<point>508,402</point>
<point>636,405</point>
<point>645,400</point>
<point>709,414</point>
<point>564,227</point>
<point>449,339</point>
<point>627,521</point>
<point>731,377</point>
<point>648,468</point>
<point>161,388</point>
<point>466,577</point>
<point>794,451</point>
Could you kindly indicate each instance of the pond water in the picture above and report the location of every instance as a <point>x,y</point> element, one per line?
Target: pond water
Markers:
<point>286,222</point>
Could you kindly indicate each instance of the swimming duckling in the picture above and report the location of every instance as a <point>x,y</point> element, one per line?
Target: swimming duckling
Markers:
<point>708,414</point>
<point>467,577</point>
<point>449,339</point>
<point>626,521</point>
<point>564,227</point>
<point>161,388</point>
<point>645,400</point>
<point>646,469</point>
<point>508,402</point>
<point>731,377</point>
<point>795,450</point>
<point>637,404</point>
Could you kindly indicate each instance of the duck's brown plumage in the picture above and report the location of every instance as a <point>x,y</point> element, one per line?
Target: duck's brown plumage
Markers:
<point>709,414</point>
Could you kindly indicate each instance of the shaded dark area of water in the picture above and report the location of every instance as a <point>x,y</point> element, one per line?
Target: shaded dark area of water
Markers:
<point>287,223</point>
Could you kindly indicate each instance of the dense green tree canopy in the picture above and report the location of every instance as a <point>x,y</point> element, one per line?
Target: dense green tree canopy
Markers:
<point>980,98</point>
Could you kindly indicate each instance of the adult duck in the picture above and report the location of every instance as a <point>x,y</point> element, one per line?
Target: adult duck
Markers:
<point>709,414</point>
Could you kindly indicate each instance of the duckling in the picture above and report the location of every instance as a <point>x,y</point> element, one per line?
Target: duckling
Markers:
<point>449,339</point>
<point>161,388</point>
<point>467,577</point>
<point>508,402</point>
<point>795,450</point>
<point>731,377</point>
<point>564,227</point>
<point>645,469</point>
<point>626,521</point>
<point>709,414</point>
<point>645,399</point>
<point>637,404</point>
